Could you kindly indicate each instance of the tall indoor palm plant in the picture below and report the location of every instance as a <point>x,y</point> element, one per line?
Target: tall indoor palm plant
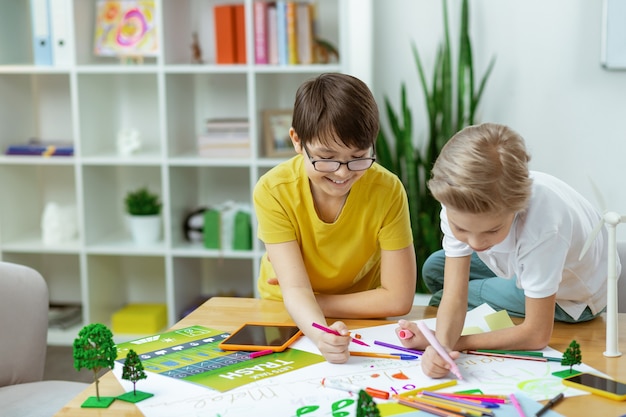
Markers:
<point>450,106</point>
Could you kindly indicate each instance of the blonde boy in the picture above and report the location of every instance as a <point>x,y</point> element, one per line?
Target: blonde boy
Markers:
<point>512,239</point>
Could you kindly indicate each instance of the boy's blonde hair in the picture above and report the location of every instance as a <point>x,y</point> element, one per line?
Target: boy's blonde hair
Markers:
<point>483,169</point>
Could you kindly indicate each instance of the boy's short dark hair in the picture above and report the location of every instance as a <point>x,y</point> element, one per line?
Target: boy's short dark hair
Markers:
<point>336,107</point>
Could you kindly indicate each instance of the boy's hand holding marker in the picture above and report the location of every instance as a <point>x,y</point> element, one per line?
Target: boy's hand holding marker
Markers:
<point>437,362</point>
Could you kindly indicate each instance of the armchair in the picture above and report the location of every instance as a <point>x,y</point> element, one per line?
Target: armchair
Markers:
<point>24,329</point>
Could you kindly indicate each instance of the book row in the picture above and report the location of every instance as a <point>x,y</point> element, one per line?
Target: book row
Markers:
<point>284,33</point>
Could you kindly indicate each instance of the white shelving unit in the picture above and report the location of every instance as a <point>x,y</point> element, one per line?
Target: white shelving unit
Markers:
<point>167,99</point>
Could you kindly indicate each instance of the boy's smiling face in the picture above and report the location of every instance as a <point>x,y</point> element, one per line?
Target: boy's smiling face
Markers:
<point>480,231</point>
<point>335,184</point>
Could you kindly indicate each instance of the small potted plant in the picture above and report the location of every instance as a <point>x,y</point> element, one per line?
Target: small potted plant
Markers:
<point>144,211</point>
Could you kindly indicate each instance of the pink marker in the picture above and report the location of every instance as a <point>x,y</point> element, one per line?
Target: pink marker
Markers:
<point>428,334</point>
<point>405,334</point>
<point>261,353</point>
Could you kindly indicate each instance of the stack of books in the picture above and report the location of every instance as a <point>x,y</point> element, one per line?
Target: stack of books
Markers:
<point>229,138</point>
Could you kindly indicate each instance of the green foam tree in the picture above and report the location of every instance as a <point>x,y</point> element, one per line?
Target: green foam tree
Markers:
<point>572,355</point>
<point>133,369</point>
<point>366,407</point>
<point>95,350</point>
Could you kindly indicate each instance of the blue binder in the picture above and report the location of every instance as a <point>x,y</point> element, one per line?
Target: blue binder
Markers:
<point>42,41</point>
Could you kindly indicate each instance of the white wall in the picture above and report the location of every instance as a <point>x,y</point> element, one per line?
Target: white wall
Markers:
<point>547,83</point>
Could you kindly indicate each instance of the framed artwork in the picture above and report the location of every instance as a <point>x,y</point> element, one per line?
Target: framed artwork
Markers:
<point>125,28</point>
<point>276,125</point>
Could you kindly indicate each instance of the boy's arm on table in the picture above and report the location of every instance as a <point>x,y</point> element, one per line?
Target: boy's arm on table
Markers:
<point>394,297</point>
<point>301,304</point>
<point>532,334</point>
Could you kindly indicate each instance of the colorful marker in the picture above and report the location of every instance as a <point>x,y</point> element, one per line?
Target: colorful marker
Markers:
<point>402,348</point>
<point>405,334</point>
<point>385,355</point>
<point>517,405</point>
<point>261,353</point>
<point>335,332</point>
<point>428,334</point>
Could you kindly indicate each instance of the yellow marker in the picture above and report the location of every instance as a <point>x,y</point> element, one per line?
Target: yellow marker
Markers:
<point>450,383</point>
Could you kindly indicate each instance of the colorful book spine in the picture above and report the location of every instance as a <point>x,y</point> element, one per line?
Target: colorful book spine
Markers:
<point>225,46</point>
<point>272,35</point>
<point>260,32</point>
<point>281,31</point>
<point>240,33</point>
<point>292,42</point>
<point>304,26</point>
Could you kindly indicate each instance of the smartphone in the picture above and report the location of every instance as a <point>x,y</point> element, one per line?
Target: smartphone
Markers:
<point>598,385</point>
<point>261,336</point>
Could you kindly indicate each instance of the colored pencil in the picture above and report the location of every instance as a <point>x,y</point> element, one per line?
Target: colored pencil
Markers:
<point>453,405</point>
<point>435,387</point>
<point>521,353</point>
<point>512,352</point>
<point>466,401</point>
<point>385,355</point>
<point>500,399</point>
<point>427,408</point>
<point>501,355</point>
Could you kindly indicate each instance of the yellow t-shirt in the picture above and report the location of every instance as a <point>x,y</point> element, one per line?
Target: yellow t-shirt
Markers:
<point>342,257</point>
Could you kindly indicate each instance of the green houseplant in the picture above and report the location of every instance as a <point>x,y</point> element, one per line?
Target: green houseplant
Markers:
<point>142,202</point>
<point>144,209</point>
<point>451,105</point>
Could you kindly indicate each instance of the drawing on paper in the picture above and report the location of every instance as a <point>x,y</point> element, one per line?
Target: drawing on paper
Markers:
<point>125,28</point>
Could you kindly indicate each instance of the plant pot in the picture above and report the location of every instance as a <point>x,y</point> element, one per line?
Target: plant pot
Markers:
<point>145,229</point>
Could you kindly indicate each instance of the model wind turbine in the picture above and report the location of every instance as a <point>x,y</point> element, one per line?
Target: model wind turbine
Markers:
<point>611,219</point>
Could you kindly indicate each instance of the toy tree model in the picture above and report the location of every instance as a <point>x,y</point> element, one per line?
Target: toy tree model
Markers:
<point>572,355</point>
<point>366,407</point>
<point>94,349</point>
<point>133,369</point>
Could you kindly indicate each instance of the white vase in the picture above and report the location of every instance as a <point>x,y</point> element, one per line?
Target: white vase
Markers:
<point>145,229</point>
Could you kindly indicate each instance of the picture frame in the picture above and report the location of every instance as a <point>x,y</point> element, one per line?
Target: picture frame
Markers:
<point>276,125</point>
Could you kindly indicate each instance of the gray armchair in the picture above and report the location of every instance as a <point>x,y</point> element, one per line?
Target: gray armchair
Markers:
<point>24,329</point>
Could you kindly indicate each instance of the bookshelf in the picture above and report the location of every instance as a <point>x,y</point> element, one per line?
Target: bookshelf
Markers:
<point>167,99</point>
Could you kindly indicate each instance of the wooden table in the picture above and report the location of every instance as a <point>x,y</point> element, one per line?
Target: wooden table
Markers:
<point>228,313</point>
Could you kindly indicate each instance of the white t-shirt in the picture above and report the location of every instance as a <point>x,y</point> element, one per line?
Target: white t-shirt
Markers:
<point>543,247</point>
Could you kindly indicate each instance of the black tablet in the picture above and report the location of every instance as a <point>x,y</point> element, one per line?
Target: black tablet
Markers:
<point>261,336</point>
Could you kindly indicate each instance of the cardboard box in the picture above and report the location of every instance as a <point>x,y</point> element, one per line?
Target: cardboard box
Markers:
<point>140,319</point>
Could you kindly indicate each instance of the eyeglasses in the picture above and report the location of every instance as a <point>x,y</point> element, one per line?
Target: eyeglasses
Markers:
<point>330,165</point>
